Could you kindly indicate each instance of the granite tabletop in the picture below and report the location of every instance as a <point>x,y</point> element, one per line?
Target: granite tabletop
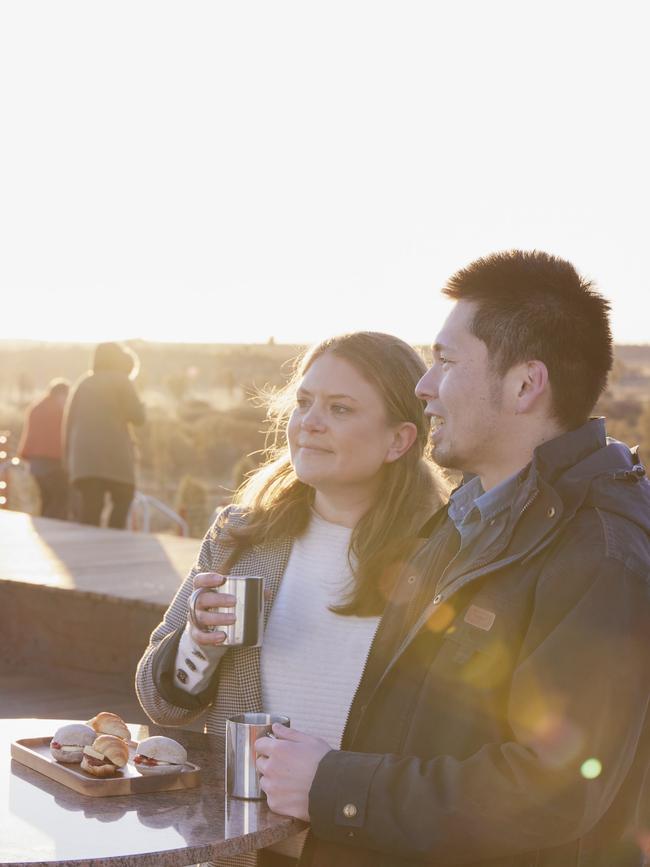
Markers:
<point>45,823</point>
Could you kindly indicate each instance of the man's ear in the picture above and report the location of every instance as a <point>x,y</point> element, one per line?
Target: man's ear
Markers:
<point>404,436</point>
<point>531,383</point>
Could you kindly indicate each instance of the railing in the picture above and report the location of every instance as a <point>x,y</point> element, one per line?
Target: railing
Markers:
<point>139,518</point>
<point>8,468</point>
<point>5,463</point>
<point>146,503</point>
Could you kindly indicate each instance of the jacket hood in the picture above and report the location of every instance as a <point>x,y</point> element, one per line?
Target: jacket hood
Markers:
<point>586,467</point>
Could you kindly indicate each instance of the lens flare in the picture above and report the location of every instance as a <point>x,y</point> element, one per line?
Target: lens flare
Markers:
<point>441,618</point>
<point>591,769</point>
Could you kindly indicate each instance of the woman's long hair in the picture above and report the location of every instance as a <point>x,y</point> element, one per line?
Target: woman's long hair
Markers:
<point>278,505</point>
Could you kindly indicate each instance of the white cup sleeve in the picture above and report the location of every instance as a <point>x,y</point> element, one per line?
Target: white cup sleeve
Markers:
<point>195,664</point>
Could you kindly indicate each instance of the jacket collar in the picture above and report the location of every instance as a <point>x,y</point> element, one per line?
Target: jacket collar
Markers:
<point>555,457</point>
<point>550,461</point>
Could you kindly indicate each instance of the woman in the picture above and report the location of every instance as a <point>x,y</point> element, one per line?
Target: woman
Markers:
<point>327,522</point>
<point>98,446</point>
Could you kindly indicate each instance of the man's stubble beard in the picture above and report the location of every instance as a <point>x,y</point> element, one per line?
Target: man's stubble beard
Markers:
<point>448,462</point>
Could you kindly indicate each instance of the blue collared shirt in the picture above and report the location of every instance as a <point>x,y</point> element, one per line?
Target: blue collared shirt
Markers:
<point>475,511</point>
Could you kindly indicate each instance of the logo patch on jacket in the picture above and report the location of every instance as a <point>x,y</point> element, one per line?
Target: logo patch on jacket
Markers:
<point>480,617</point>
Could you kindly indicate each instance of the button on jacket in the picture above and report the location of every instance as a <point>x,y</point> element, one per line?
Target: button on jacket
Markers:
<point>502,719</point>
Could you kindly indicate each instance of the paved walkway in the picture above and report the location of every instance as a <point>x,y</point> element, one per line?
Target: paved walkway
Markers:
<point>90,597</point>
<point>116,563</point>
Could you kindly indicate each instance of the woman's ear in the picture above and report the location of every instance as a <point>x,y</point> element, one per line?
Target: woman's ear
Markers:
<point>404,435</point>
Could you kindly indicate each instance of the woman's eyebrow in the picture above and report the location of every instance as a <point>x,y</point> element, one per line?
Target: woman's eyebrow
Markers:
<point>308,393</point>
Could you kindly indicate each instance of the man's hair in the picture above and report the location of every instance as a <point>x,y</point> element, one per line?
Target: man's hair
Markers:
<point>534,306</point>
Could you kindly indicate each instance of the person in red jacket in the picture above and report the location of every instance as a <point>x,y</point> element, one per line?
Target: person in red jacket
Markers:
<point>41,445</point>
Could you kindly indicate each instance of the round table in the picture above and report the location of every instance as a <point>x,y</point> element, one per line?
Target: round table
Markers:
<point>45,823</point>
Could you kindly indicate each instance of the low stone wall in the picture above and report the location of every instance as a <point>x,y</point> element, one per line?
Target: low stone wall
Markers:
<point>46,627</point>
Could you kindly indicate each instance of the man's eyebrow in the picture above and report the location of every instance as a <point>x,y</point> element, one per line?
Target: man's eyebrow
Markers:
<point>306,391</point>
<point>440,347</point>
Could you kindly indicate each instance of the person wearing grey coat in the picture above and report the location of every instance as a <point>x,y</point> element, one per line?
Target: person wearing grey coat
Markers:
<point>99,450</point>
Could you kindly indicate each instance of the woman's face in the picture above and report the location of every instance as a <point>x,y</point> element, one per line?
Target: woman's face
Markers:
<point>338,433</point>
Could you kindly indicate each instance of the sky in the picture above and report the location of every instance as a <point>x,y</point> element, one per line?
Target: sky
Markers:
<point>231,171</point>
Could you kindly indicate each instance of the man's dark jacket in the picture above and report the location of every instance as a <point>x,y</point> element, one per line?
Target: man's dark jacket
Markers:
<point>502,717</point>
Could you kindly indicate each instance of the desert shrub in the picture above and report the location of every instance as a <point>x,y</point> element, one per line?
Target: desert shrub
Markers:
<point>11,420</point>
<point>192,504</point>
<point>621,429</point>
<point>644,432</point>
<point>222,438</point>
<point>246,465</point>
<point>623,409</point>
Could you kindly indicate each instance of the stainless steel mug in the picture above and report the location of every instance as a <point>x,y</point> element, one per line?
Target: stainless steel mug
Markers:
<point>248,628</point>
<point>242,730</point>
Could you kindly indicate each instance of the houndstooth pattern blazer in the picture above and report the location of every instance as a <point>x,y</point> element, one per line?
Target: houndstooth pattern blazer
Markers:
<point>240,686</point>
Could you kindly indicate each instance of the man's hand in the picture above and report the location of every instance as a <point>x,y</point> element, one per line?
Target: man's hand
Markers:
<point>287,764</point>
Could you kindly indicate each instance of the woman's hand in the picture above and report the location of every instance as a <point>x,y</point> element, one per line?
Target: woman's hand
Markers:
<point>207,619</point>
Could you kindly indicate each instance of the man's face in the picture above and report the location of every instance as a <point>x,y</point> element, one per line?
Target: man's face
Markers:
<point>464,399</point>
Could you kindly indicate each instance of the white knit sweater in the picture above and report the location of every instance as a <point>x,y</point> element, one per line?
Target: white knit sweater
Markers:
<point>312,659</point>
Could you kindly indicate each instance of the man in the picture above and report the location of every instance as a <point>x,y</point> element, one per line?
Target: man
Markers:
<point>502,718</point>
<point>41,445</point>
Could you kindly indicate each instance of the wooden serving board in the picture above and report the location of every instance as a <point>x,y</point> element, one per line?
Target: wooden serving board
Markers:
<point>35,753</point>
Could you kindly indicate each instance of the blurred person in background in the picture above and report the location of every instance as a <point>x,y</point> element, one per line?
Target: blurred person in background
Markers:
<point>99,448</point>
<point>41,444</point>
<point>328,522</point>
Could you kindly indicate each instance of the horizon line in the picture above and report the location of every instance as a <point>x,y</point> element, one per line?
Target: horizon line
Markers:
<point>31,341</point>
